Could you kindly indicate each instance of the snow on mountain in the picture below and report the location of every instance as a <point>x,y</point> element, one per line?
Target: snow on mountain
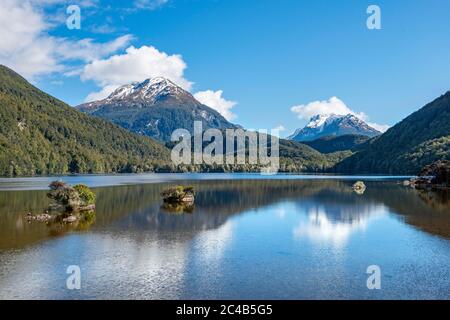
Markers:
<point>155,107</point>
<point>333,125</point>
<point>149,90</point>
<point>146,93</point>
<point>317,121</point>
<point>122,92</point>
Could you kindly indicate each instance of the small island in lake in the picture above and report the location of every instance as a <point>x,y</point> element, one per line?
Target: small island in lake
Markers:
<point>178,199</point>
<point>435,176</point>
<point>178,194</point>
<point>70,204</point>
<point>359,187</point>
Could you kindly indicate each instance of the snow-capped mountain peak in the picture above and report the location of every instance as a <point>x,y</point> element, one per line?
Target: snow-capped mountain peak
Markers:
<point>155,107</point>
<point>148,90</point>
<point>317,121</point>
<point>333,125</point>
<point>122,92</point>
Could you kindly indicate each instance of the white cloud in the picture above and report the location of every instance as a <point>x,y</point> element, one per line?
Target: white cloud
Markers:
<point>102,29</point>
<point>214,99</point>
<point>102,94</point>
<point>136,64</point>
<point>82,3</point>
<point>379,127</point>
<point>22,45</point>
<point>149,4</point>
<point>277,130</point>
<point>39,53</point>
<point>27,46</point>
<point>333,105</point>
<point>87,50</point>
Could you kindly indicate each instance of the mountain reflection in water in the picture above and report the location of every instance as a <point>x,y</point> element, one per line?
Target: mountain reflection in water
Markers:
<point>265,239</point>
<point>332,209</point>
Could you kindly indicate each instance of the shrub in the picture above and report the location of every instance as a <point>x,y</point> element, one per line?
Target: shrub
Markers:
<point>86,194</point>
<point>177,193</point>
<point>57,185</point>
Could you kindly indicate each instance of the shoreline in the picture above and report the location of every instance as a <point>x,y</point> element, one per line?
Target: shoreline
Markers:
<point>97,180</point>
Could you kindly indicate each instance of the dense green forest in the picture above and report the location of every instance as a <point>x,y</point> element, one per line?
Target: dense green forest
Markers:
<point>420,139</point>
<point>41,135</point>
<point>293,157</point>
<point>331,144</point>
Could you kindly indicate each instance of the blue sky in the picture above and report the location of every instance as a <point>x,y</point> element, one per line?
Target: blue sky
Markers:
<point>255,59</point>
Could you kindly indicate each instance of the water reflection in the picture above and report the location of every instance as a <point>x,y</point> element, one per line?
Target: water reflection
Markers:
<point>59,226</point>
<point>330,208</point>
<point>322,226</point>
<point>271,239</point>
<point>178,207</point>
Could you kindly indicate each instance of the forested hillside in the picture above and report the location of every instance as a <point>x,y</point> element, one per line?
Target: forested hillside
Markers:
<point>420,139</point>
<point>42,135</point>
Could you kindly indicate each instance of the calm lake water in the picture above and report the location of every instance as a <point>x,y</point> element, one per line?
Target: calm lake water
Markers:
<point>248,237</point>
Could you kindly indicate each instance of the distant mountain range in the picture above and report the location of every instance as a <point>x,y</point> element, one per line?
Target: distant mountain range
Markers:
<point>40,135</point>
<point>333,125</point>
<point>155,107</point>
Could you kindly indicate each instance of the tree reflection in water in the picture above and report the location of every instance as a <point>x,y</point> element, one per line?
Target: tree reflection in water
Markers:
<point>329,205</point>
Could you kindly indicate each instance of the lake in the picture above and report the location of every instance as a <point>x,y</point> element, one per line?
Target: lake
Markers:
<point>247,237</point>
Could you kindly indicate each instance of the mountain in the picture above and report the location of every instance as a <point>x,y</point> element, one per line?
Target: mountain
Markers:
<point>42,135</point>
<point>155,107</point>
<point>418,140</point>
<point>299,157</point>
<point>333,125</point>
<point>329,144</point>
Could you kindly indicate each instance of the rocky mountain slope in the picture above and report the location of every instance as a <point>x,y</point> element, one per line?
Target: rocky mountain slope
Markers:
<point>155,107</point>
